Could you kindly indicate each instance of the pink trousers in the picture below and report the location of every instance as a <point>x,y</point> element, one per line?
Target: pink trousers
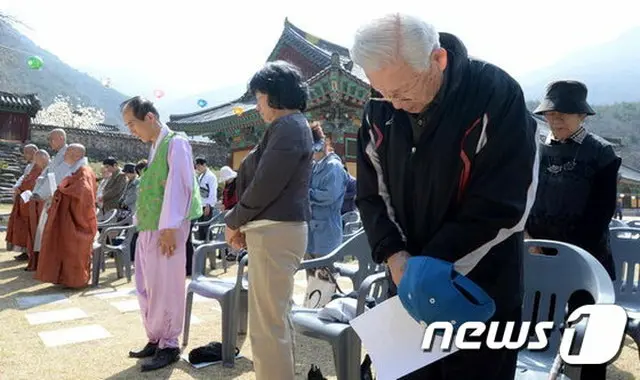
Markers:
<point>160,284</point>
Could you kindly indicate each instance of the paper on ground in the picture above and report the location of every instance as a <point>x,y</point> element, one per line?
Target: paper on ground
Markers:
<point>393,340</point>
<point>52,183</point>
<point>26,195</point>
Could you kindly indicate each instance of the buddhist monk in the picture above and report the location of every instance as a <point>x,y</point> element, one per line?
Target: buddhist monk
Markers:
<point>58,170</point>
<point>16,238</point>
<point>168,200</point>
<point>35,209</point>
<point>67,242</point>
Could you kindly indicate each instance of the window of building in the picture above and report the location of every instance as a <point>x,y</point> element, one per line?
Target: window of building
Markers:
<point>350,148</point>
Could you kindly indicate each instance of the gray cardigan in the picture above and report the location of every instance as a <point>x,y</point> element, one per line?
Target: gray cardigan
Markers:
<point>273,179</point>
<point>130,195</point>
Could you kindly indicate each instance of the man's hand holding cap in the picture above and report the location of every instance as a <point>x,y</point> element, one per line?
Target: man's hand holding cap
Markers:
<point>432,291</point>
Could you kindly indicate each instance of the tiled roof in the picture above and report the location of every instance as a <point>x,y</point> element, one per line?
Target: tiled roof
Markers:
<point>629,173</point>
<point>346,72</point>
<point>247,103</point>
<point>25,103</point>
<point>108,128</point>
<point>323,49</point>
<point>315,49</point>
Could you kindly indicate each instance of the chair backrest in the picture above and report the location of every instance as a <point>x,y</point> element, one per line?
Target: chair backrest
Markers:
<point>634,223</point>
<point>617,223</point>
<point>358,247</point>
<point>549,281</point>
<point>217,232</point>
<point>625,247</point>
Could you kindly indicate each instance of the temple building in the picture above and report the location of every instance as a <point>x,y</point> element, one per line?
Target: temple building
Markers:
<point>16,112</point>
<point>338,90</point>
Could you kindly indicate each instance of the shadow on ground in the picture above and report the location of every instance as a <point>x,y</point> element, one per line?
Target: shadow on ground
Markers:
<point>242,366</point>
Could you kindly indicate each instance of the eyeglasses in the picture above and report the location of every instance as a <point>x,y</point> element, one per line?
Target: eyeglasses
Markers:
<point>409,87</point>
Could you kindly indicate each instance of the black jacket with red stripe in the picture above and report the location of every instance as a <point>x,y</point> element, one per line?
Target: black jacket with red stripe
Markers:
<point>463,190</point>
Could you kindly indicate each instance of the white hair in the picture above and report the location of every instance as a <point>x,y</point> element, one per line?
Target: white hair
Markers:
<point>383,40</point>
<point>61,132</point>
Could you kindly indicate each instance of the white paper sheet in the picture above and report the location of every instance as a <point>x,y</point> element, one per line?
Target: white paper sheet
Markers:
<point>393,340</point>
<point>52,183</point>
<point>26,195</point>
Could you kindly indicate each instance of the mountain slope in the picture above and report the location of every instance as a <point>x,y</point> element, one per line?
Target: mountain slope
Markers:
<point>609,70</point>
<point>55,78</point>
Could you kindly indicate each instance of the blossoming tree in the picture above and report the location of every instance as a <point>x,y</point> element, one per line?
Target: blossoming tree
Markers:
<point>64,114</point>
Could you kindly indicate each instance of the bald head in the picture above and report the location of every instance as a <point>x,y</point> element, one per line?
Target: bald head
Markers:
<point>29,151</point>
<point>41,158</point>
<point>74,153</point>
<point>57,139</point>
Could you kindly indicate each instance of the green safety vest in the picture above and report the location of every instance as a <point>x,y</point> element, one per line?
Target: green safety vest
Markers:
<point>151,190</point>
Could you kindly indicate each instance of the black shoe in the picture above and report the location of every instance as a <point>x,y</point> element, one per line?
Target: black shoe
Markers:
<point>161,359</point>
<point>22,257</point>
<point>148,351</point>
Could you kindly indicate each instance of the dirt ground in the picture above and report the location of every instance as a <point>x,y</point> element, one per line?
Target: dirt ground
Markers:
<point>111,310</point>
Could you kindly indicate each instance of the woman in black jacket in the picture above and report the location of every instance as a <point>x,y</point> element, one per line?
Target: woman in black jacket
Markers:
<point>577,185</point>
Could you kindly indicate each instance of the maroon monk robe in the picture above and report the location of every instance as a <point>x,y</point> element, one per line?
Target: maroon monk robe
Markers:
<point>67,242</point>
<point>18,227</point>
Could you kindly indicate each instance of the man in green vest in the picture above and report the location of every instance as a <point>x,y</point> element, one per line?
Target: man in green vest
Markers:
<point>168,199</point>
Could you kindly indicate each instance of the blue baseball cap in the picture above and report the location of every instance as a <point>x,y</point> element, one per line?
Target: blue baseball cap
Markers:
<point>432,291</point>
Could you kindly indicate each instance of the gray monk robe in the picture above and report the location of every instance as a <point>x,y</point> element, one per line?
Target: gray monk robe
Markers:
<point>59,169</point>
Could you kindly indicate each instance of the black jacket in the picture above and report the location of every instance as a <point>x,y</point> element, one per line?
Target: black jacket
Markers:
<point>576,206</point>
<point>463,192</point>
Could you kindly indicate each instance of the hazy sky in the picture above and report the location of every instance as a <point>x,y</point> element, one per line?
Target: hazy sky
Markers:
<point>190,46</point>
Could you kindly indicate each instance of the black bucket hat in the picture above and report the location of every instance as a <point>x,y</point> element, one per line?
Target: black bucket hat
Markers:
<point>129,168</point>
<point>565,96</point>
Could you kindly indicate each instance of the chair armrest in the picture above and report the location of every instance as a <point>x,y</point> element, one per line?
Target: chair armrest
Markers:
<point>365,288</point>
<point>200,254</point>
<point>124,222</point>
<point>110,219</point>
<point>204,222</point>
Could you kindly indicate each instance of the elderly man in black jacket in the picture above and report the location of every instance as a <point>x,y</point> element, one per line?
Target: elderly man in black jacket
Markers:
<point>447,168</point>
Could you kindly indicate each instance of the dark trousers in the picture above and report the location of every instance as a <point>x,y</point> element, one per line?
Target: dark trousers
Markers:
<point>132,247</point>
<point>482,364</point>
<point>202,230</point>
<point>592,371</point>
<point>189,251</point>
